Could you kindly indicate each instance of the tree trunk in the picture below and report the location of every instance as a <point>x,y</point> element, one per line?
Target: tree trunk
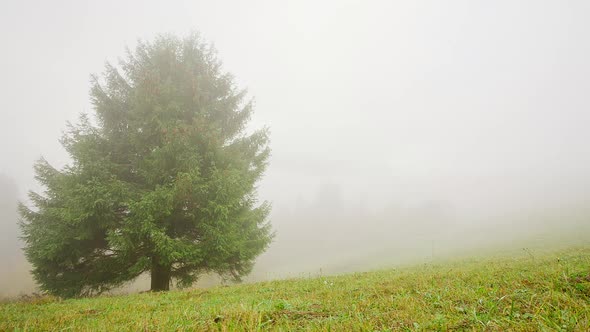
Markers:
<point>160,277</point>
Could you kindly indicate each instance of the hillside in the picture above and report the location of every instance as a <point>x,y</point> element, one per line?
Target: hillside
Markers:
<point>527,291</point>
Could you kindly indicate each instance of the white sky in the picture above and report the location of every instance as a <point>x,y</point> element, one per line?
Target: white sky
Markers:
<point>478,103</point>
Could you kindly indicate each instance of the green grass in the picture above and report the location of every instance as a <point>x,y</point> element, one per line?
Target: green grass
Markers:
<point>529,291</point>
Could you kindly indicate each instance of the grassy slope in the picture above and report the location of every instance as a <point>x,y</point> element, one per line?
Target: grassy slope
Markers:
<point>528,292</point>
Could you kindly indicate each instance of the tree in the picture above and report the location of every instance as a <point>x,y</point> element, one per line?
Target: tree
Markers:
<point>163,180</point>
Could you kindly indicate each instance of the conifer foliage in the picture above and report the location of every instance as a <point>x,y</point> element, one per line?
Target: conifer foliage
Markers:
<point>163,181</point>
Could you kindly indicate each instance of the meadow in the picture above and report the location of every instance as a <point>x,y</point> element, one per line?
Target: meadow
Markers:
<point>524,291</point>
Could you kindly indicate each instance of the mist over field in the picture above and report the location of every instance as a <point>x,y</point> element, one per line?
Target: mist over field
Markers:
<point>401,132</point>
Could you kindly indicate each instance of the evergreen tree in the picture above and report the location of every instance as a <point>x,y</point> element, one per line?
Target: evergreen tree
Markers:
<point>163,181</point>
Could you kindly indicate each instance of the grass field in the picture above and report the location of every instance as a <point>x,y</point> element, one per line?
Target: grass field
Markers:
<point>528,291</point>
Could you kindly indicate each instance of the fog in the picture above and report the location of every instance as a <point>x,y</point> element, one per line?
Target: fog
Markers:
<point>401,131</point>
